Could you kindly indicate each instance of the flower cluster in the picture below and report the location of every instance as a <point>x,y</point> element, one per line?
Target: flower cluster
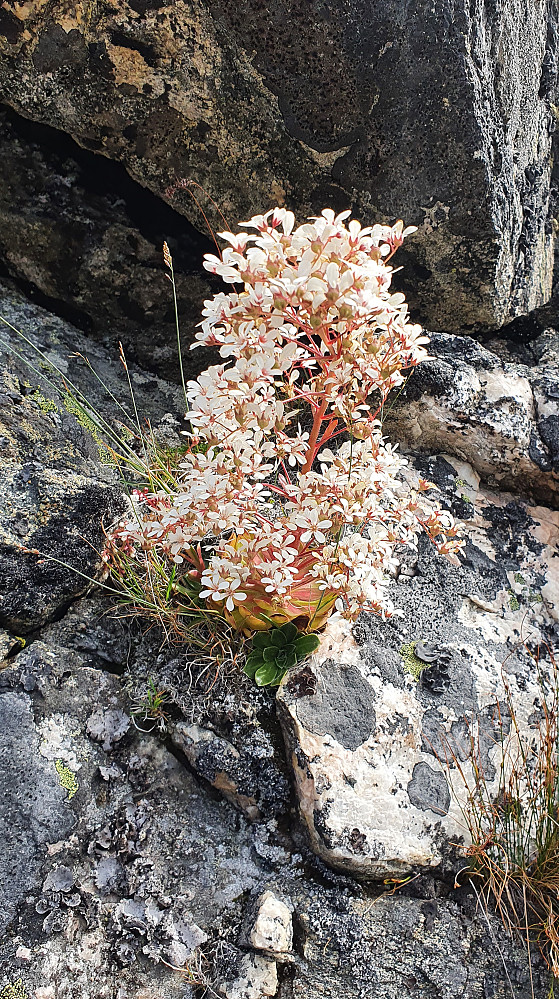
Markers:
<point>289,488</point>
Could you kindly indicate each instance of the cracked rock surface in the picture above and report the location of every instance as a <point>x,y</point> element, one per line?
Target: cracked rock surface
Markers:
<point>57,490</point>
<point>385,722</point>
<point>204,845</point>
<point>135,865</point>
<point>499,415</point>
<point>77,229</point>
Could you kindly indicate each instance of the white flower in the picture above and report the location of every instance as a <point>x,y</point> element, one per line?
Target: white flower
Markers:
<point>222,582</point>
<point>313,526</point>
<point>314,327</point>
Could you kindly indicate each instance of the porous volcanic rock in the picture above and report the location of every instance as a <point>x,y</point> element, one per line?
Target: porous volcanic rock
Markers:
<point>383,728</point>
<point>439,114</point>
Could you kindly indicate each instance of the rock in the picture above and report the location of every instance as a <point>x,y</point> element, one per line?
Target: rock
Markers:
<point>108,727</point>
<point>441,116</point>
<point>398,946</point>
<point>48,514</point>
<point>229,732</point>
<point>80,231</point>
<point>121,862</point>
<point>499,417</point>
<point>149,868</point>
<point>256,977</point>
<point>217,760</point>
<point>104,843</point>
<point>8,645</point>
<point>381,740</point>
<point>58,490</point>
<point>33,812</point>
<point>272,930</point>
<point>242,777</point>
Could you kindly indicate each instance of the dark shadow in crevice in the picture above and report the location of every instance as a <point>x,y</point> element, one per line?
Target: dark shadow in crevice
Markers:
<point>154,218</point>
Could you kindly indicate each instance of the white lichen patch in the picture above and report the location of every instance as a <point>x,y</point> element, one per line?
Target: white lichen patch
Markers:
<point>337,642</point>
<point>61,739</point>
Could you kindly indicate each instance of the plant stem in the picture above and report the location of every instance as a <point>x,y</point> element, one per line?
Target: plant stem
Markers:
<point>312,448</point>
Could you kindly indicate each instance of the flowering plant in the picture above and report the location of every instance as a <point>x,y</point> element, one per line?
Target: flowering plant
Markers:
<point>288,502</point>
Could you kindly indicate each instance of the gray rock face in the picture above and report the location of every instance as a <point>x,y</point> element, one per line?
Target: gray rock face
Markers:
<point>56,493</point>
<point>33,811</point>
<point>437,114</point>
<point>144,869</point>
<point>383,733</point>
<point>499,416</point>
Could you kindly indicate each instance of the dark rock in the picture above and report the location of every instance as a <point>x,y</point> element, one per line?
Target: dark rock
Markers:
<point>60,510</point>
<point>428,790</point>
<point>437,114</point>
<point>58,491</point>
<point>343,706</point>
<point>78,231</point>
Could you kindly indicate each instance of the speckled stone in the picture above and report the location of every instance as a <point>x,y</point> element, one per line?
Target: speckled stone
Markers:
<point>498,415</point>
<point>381,755</point>
<point>438,114</point>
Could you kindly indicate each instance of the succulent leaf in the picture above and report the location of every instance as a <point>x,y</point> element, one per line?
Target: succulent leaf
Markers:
<point>276,651</point>
<point>261,640</point>
<point>290,631</point>
<point>306,644</point>
<point>266,675</point>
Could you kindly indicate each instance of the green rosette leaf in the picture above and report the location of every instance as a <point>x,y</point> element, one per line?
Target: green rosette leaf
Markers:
<point>276,651</point>
<point>267,675</point>
<point>261,640</point>
<point>306,644</point>
<point>253,662</point>
<point>290,631</point>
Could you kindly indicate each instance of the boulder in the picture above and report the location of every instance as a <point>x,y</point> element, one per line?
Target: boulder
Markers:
<point>384,727</point>
<point>440,115</point>
<point>499,415</point>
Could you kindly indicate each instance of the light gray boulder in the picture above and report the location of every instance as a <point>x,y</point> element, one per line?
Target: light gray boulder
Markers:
<point>499,415</point>
<point>385,725</point>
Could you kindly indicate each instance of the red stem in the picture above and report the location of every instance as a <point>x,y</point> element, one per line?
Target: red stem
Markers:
<point>312,448</point>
